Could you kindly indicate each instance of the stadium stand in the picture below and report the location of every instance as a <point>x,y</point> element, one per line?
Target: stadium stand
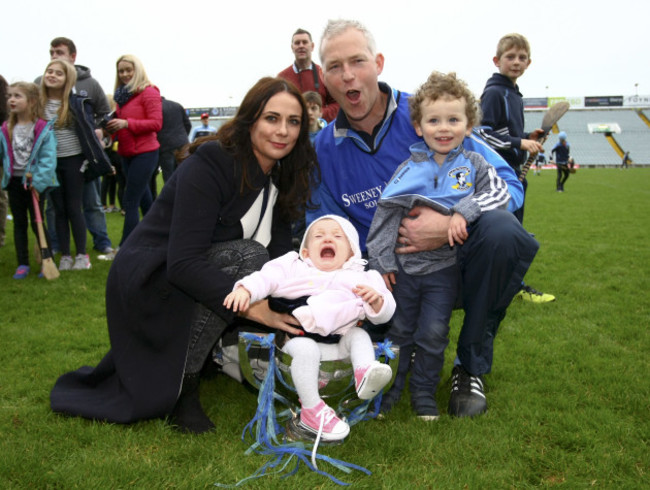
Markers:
<point>587,149</point>
<point>593,149</point>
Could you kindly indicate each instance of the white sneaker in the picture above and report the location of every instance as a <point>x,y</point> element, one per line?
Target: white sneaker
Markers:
<point>81,263</point>
<point>66,263</point>
<point>108,256</point>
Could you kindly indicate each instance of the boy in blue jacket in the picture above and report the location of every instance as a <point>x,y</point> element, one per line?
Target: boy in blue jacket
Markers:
<point>440,174</point>
<point>503,121</point>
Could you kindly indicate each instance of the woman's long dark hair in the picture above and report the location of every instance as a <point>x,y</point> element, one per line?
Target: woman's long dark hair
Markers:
<point>297,173</point>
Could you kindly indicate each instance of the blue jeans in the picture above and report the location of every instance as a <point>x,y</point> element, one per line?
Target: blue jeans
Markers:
<point>138,171</point>
<point>236,258</point>
<point>94,214</point>
<point>167,163</point>
<point>421,323</point>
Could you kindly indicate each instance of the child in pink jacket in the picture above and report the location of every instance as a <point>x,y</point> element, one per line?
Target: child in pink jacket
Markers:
<point>333,293</point>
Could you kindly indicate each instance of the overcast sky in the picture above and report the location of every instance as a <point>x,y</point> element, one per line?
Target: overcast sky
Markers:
<point>209,52</point>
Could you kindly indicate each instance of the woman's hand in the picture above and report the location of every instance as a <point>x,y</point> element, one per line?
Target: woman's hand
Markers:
<point>115,125</point>
<point>261,313</point>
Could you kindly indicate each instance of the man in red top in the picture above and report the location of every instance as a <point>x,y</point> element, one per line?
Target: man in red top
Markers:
<point>307,75</point>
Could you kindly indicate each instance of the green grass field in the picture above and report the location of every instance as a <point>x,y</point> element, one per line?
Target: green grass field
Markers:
<point>568,396</point>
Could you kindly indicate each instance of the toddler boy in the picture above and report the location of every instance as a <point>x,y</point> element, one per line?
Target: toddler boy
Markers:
<point>443,175</point>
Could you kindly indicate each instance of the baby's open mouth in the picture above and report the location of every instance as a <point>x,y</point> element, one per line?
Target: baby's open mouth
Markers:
<point>327,253</point>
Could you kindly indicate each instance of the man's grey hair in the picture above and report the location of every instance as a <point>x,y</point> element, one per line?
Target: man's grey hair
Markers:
<point>339,26</point>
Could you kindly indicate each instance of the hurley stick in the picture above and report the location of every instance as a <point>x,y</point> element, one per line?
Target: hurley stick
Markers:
<point>48,266</point>
<point>551,117</point>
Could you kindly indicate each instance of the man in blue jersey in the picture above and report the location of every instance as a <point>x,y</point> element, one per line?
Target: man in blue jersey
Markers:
<point>360,151</point>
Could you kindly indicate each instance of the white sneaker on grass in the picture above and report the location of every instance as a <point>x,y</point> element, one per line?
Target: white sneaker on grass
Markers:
<point>108,256</point>
<point>66,263</point>
<point>81,263</point>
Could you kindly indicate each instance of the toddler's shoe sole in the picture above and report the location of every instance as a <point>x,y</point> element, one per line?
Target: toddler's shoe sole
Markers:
<point>374,380</point>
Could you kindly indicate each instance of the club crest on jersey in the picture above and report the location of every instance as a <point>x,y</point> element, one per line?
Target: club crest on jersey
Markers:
<point>460,174</point>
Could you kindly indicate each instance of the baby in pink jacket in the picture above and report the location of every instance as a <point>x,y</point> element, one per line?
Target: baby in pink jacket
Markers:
<point>329,271</point>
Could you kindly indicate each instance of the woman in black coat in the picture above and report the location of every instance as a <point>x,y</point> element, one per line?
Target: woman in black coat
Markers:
<point>225,210</point>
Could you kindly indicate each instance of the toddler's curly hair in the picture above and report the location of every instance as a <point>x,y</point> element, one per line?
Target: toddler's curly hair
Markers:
<point>440,85</point>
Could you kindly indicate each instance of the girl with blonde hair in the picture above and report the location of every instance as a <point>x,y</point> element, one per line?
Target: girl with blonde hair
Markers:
<point>77,148</point>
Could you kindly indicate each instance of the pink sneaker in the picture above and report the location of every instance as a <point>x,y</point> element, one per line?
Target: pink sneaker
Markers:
<point>370,380</point>
<point>334,429</point>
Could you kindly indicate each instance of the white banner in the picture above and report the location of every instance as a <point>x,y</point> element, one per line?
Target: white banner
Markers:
<point>636,101</point>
